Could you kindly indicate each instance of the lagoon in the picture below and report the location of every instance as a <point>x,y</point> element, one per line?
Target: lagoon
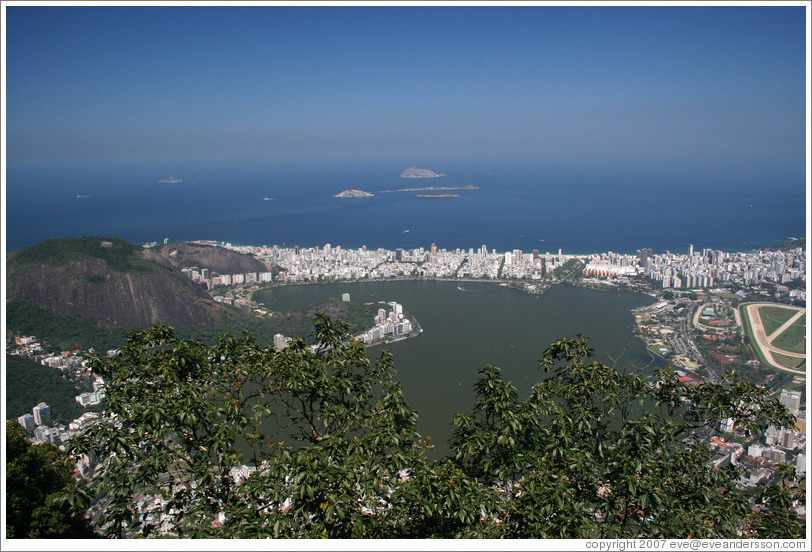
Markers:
<point>463,331</point>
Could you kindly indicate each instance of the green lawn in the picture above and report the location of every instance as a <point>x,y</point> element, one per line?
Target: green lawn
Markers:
<point>773,317</point>
<point>787,362</point>
<point>794,338</point>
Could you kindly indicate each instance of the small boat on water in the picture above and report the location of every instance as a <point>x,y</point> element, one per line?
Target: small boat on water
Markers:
<point>171,180</point>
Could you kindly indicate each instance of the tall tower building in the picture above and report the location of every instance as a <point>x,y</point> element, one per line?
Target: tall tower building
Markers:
<point>42,414</point>
<point>27,422</point>
<point>792,400</point>
<point>691,249</point>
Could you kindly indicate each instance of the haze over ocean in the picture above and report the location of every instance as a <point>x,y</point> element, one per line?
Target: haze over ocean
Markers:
<point>525,207</point>
<point>587,128</point>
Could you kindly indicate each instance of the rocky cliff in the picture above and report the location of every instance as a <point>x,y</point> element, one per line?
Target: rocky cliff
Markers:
<point>109,280</point>
<point>216,259</point>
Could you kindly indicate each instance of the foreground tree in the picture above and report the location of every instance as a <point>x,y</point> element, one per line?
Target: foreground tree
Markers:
<point>333,452</point>
<point>42,498</point>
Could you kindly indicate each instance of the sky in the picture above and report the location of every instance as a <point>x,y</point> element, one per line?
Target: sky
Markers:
<point>705,87</point>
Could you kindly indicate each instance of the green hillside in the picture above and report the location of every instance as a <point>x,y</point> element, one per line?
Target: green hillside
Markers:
<point>29,383</point>
<point>118,254</point>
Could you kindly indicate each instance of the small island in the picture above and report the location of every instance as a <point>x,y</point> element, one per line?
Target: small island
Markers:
<point>430,194</point>
<point>437,188</point>
<point>354,193</point>
<point>416,172</point>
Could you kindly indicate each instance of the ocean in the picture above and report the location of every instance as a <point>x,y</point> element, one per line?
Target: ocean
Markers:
<point>517,206</point>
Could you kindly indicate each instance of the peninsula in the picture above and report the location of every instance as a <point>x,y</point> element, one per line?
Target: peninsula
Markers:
<point>354,193</point>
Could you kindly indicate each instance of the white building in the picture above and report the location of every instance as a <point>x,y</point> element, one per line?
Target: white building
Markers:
<point>42,414</point>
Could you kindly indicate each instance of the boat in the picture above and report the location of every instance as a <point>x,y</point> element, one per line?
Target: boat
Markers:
<point>171,180</point>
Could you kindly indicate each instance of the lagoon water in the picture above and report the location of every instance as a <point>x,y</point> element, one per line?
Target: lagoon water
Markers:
<point>465,330</point>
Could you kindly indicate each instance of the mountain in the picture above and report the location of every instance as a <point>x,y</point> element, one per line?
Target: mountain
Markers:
<point>216,259</point>
<point>109,280</point>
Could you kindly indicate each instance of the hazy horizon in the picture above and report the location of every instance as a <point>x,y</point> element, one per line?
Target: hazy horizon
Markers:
<point>718,90</point>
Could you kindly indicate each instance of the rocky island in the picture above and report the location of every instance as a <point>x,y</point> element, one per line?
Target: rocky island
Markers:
<point>354,193</point>
<point>436,188</point>
<point>416,172</point>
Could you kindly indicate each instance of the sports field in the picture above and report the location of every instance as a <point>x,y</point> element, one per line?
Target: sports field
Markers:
<point>778,334</point>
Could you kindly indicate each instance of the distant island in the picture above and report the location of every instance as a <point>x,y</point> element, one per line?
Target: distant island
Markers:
<point>438,195</point>
<point>437,188</point>
<point>416,172</point>
<point>354,193</point>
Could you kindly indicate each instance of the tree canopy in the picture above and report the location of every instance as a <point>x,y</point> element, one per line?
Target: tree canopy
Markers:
<point>42,498</point>
<point>329,449</point>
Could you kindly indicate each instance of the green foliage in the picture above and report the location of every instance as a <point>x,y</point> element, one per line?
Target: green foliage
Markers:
<point>28,383</point>
<point>573,266</point>
<point>42,498</point>
<point>60,331</point>
<point>591,453</point>
<point>119,255</point>
<point>359,316</point>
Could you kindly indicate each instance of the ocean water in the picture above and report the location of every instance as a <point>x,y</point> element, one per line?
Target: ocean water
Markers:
<point>518,205</point>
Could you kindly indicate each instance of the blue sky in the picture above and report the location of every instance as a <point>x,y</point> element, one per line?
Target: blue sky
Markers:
<point>657,86</point>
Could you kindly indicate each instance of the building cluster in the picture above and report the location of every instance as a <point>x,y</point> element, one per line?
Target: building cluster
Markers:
<point>204,277</point>
<point>329,263</point>
<point>26,346</point>
<point>705,269</point>
<point>656,325</point>
<point>71,366</point>
<point>37,422</point>
<point>392,324</point>
<point>776,446</point>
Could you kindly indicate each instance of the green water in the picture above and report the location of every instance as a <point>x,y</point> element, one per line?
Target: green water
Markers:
<point>465,330</point>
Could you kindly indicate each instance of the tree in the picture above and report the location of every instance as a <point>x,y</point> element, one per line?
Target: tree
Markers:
<point>332,449</point>
<point>42,498</point>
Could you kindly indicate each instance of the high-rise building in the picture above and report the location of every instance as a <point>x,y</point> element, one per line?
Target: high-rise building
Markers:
<point>42,414</point>
<point>27,422</point>
<point>280,341</point>
<point>792,400</point>
<point>786,439</point>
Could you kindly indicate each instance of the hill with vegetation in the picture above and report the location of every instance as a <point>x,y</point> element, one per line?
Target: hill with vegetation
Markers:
<point>786,246</point>
<point>58,332</point>
<point>108,280</point>
<point>29,383</point>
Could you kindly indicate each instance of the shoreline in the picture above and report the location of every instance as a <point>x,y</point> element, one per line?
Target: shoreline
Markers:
<point>552,250</point>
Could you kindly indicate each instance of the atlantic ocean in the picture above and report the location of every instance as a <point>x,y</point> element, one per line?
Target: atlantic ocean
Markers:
<point>576,208</point>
